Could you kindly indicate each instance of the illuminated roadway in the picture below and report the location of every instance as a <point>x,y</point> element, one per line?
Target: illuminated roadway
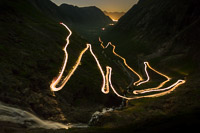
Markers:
<point>124,60</point>
<point>57,84</point>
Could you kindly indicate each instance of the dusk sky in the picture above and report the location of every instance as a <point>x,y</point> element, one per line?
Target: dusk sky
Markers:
<point>105,5</point>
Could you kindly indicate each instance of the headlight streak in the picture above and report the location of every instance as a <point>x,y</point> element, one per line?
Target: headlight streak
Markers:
<point>149,89</point>
<point>139,82</point>
<point>102,44</point>
<point>57,80</point>
<point>148,78</point>
<point>124,60</point>
<point>103,89</point>
<point>172,88</point>
<point>74,67</point>
<point>107,79</point>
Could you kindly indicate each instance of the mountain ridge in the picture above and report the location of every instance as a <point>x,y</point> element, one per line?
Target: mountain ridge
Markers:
<point>155,28</point>
<point>94,16</point>
<point>31,56</point>
<point>86,21</point>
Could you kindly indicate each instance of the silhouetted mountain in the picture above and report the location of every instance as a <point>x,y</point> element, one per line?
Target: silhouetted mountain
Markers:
<point>86,16</point>
<point>87,21</point>
<point>164,32</point>
<point>89,16</point>
<point>48,8</point>
<point>114,15</point>
<point>30,57</point>
<point>167,34</point>
<point>161,27</point>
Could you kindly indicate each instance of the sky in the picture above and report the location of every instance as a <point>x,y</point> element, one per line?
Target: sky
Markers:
<point>105,5</point>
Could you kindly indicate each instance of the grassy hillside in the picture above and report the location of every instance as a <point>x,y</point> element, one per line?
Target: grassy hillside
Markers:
<point>31,56</point>
<point>165,33</point>
<point>159,28</point>
<point>87,21</point>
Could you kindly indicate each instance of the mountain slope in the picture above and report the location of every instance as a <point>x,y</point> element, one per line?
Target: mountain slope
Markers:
<point>87,21</point>
<point>167,34</point>
<point>89,16</point>
<point>31,56</point>
<point>162,26</point>
<point>86,16</point>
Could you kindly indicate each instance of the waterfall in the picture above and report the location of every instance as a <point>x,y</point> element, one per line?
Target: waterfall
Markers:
<point>19,116</point>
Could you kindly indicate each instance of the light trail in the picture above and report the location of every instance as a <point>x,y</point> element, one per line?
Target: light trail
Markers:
<point>103,28</point>
<point>137,83</point>
<point>107,79</point>
<point>101,43</point>
<point>53,88</point>
<point>103,89</point>
<point>124,60</point>
<point>58,79</point>
<point>153,90</point>
<point>74,67</point>
<point>140,78</point>
<point>170,89</point>
<point>148,78</point>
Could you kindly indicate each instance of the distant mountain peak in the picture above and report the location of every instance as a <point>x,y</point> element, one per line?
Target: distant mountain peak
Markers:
<point>72,14</point>
<point>114,15</point>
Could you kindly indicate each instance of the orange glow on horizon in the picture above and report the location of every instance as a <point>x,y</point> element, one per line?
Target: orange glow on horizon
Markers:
<point>114,20</point>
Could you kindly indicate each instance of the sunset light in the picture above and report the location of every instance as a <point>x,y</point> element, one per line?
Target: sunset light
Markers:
<point>91,66</point>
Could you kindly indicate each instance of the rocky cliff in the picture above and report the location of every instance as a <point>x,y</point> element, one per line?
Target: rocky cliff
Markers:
<point>31,56</point>
<point>165,27</point>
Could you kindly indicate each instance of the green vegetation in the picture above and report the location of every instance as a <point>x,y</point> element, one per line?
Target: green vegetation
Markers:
<point>31,56</point>
<point>161,32</point>
<point>166,34</point>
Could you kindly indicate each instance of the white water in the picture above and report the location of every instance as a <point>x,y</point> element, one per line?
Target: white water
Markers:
<point>19,116</point>
<point>95,117</point>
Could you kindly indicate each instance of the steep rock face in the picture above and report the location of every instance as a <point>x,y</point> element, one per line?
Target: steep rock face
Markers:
<point>161,25</point>
<point>85,16</point>
<point>86,21</point>
<point>159,17</point>
<point>89,16</point>
<point>30,57</point>
<point>167,34</point>
<point>49,8</point>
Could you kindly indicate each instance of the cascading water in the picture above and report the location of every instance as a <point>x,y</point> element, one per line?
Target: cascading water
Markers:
<point>19,116</point>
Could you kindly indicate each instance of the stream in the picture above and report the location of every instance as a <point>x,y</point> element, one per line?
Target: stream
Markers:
<point>19,116</point>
